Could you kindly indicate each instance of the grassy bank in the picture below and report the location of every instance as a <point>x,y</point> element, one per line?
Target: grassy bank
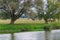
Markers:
<point>8,28</point>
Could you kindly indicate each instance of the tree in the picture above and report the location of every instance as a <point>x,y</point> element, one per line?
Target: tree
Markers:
<point>12,7</point>
<point>50,11</point>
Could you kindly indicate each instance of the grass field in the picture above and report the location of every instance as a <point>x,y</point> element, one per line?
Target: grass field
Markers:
<point>21,20</point>
<point>28,25</point>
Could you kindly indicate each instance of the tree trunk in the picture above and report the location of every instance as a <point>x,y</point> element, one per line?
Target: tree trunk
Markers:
<point>13,17</point>
<point>46,21</point>
<point>12,21</point>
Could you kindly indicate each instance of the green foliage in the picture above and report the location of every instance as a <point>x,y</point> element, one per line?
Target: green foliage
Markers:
<point>4,14</point>
<point>58,15</point>
<point>50,11</point>
<point>39,2</point>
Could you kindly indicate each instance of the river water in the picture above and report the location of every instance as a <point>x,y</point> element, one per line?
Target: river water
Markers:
<point>38,35</point>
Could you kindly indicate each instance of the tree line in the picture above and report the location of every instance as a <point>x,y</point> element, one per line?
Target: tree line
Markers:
<point>14,9</point>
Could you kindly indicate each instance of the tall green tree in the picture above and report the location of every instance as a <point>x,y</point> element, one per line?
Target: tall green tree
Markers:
<point>50,11</point>
<point>58,10</point>
<point>12,7</point>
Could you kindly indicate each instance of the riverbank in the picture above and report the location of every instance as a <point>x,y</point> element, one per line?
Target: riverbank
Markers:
<point>8,28</point>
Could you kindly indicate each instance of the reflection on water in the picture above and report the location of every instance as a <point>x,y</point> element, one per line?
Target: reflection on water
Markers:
<point>5,37</point>
<point>55,35</point>
<point>30,36</point>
